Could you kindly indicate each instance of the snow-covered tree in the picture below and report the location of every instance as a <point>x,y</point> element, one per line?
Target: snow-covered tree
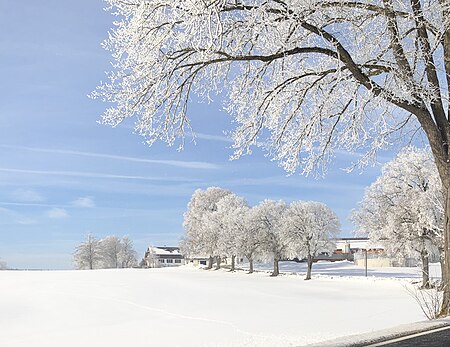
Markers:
<point>228,220</point>
<point>200,235</point>
<point>151,259</point>
<point>302,78</point>
<point>88,255</point>
<point>269,215</point>
<point>403,208</point>
<point>309,228</point>
<point>111,248</point>
<point>127,255</point>
<point>107,253</point>
<point>249,239</point>
<point>188,248</point>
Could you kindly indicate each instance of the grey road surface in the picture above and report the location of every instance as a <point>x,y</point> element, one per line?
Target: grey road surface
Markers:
<point>434,338</point>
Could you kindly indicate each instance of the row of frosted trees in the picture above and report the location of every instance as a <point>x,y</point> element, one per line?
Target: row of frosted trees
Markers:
<point>110,252</point>
<point>220,224</point>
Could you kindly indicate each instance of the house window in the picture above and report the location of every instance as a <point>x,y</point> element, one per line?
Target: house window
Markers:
<point>161,260</point>
<point>178,261</point>
<point>170,260</point>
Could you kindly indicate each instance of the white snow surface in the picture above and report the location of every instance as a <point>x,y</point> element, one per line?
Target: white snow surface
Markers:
<point>187,306</point>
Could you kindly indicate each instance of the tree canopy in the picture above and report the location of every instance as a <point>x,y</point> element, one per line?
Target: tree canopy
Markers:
<point>318,75</point>
<point>404,208</point>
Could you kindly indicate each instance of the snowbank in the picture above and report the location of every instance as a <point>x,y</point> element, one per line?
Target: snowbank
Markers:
<point>193,307</point>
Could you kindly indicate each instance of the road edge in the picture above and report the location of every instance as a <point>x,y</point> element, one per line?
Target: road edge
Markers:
<point>361,340</point>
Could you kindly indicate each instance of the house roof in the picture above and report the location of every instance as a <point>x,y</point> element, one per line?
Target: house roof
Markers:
<point>358,242</point>
<point>164,251</point>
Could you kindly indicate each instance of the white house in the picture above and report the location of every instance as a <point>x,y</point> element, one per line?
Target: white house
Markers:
<point>354,244</point>
<point>364,250</point>
<point>163,257</point>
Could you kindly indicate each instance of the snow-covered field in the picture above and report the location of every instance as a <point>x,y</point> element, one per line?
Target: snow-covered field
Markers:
<point>192,307</point>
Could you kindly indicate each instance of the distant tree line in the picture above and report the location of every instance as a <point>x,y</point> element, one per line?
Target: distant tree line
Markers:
<point>219,224</point>
<point>107,253</point>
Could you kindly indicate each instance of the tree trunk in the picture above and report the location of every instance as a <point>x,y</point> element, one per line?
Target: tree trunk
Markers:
<point>233,263</point>
<point>445,309</point>
<point>442,262</point>
<point>250,261</point>
<point>218,261</point>
<point>210,263</point>
<point>276,269</point>
<point>309,260</point>
<point>425,269</point>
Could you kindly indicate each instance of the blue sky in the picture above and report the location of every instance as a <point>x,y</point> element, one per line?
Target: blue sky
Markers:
<point>62,175</point>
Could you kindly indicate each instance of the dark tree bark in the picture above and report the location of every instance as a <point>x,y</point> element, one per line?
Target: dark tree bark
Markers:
<point>442,263</point>
<point>309,260</point>
<point>218,262</point>
<point>445,309</point>
<point>276,269</point>
<point>210,263</point>
<point>233,263</point>
<point>425,269</point>
<point>250,261</point>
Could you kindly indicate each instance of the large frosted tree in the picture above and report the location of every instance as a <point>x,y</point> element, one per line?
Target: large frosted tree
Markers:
<point>250,237</point>
<point>268,215</point>
<point>309,228</point>
<point>202,237</point>
<point>302,78</point>
<point>403,208</point>
<point>229,221</point>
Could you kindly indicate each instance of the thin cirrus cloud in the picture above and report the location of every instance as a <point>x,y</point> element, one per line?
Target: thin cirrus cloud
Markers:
<point>177,163</point>
<point>94,175</point>
<point>57,213</point>
<point>212,137</point>
<point>84,202</point>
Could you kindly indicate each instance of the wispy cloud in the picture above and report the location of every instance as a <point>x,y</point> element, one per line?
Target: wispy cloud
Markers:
<point>177,163</point>
<point>27,221</point>
<point>94,175</point>
<point>84,202</point>
<point>290,182</point>
<point>27,195</point>
<point>13,217</point>
<point>209,137</point>
<point>9,203</point>
<point>57,213</point>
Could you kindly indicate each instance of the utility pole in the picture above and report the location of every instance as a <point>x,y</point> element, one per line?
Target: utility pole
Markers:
<point>365,260</point>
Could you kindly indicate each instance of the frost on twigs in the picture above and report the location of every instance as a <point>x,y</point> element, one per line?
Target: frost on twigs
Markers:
<point>301,79</point>
<point>429,300</point>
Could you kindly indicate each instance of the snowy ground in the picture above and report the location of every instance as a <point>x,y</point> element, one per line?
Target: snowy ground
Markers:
<point>193,307</point>
<point>348,269</point>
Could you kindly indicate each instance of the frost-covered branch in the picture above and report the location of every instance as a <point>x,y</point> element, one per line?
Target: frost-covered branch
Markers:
<point>288,67</point>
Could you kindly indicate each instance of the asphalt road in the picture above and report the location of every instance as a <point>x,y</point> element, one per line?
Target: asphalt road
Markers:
<point>435,338</point>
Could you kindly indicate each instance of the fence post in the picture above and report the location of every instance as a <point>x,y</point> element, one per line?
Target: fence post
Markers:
<point>365,259</point>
